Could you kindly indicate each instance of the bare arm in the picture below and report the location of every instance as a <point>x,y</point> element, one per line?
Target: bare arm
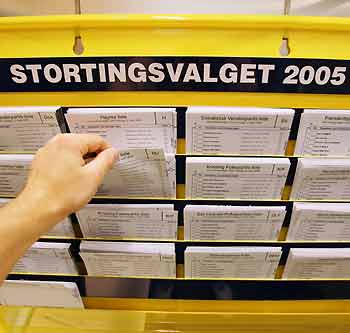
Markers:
<point>60,183</point>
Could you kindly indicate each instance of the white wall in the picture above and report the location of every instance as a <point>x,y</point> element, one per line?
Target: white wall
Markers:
<point>185,6</point>
<point>36,7</point>
<point>299,7</point>
<point>321,7</point>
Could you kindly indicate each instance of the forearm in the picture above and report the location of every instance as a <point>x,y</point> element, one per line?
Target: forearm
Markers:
<point>22,222</point>
<point>60,182</point>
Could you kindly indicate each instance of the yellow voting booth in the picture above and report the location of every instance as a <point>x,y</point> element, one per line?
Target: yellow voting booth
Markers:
<point>31,47</point>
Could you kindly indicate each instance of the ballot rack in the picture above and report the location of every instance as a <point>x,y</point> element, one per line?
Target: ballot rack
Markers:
<point>282,305</point>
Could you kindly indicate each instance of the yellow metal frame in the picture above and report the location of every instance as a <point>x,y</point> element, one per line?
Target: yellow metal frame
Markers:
<point>177,35</point>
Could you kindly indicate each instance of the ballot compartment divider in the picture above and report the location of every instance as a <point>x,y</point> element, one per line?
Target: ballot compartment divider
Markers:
<point>62,120</point>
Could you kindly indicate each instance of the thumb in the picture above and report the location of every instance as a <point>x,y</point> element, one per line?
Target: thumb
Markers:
<point>101,164</point>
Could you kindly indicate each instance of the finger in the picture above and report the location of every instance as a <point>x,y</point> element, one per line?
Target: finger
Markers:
<point>91,143</point>
<point>85,143</point>
<point>98,167</point>
<point>88,160</point>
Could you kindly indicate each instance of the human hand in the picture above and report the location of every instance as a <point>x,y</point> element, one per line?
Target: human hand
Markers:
<point>61,181</point>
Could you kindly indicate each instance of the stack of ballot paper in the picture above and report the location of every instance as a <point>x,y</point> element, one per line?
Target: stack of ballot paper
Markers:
<point>27,128</point>
<point>46,258</point>
<point>40,293</point>
<point>138,173</point>
<point>230,130</point>
<point>320,222</point>
<point>127,221</point>
<point>141,173</point>
<point>129,259</point>
<point>128,128</point>
<point>204,222</point>
<point>62,229</point>
<point>324,133</point>
<point>313,263</point>
<point>236,177</point>
<point>231,262</point>
<point>13,172</point>
<point>322,179</point>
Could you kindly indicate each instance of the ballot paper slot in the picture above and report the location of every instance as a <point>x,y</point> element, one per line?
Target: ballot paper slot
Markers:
<point>180,115</point>
<point>204,127</point>
<point>317,263</point>
<point>237,130</point>
<point>323,133</point>
<point>26,129</point>
<point>138,173</point>
<point>59,257</point>
<point>57,294</point>
<point>128,127</point>
<point>149,221</point>
<point>234,131</point>
<point>78,280</point>
<point>322,179</point>
<point>234,178</point>
<point>228,131</point>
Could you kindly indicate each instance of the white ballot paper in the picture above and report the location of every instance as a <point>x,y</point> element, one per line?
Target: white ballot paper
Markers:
<point>27,128</point>
<point>320,222</point>
<point>128,221</point>
<point>231,262</point>
<point>13,172</point>
<point>236,177</point>
<point>46,258</point>
<point>129,259</point>
<point>128,128</point>
<point>313,263</point>
<point>204,222</point>
<point>141,173</point>
<point>321,179</point>
<point>233,130</point>
<point>62,229</point>
<point>40,293</point>
<point>324,133</point>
